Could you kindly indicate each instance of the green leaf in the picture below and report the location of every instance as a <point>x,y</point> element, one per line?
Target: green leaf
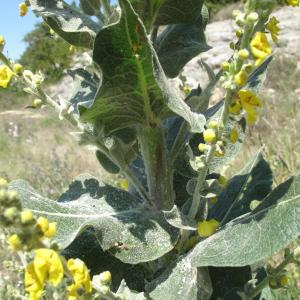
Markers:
<point>122,224</point>
<point>257,235</point>
<point>254,182</point>
<point>134,90</point>
<point>106,163</point>
<point>257,78</point>
<point>181,281</point>
<point>68,22</point>
<point>178,44</point>
<point>182,12</point>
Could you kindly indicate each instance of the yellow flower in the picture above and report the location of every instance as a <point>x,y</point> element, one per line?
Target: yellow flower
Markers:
<point>293,2</point>
<point>209,136</point>
<point>124,184</point>
<point>14,242</point>
<point>23,9</point>
<point>235,108</point>
<point>260,47</point>
<point>5,76</point>
<point>241,78</point>
<point>273,28</point>
<point>46,266</point>
<point>48,229</point>
<point>207,228</point>
<point>81,278</point>
<point>249,101</point>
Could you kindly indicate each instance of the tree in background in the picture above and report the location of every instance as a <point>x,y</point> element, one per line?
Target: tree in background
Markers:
<point>46,52</point>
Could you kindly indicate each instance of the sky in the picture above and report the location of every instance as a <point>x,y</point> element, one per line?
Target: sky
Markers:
<point>13,27</point>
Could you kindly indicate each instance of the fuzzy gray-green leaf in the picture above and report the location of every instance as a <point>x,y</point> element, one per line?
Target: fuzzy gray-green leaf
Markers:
<point>254,182</point>
<point>181,281</point>
<point>120,222</point>
<point>257,235</point>
<point>68,22</point>
<point>178,44</point>
<point>134,89</point>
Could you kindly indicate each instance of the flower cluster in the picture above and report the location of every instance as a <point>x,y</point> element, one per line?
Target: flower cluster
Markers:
<point>26,232</point>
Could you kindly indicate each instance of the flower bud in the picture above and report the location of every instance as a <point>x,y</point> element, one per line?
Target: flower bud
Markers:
<point>243,54</point>
<point>239,33</point>
<point>124,184</point>
<point>202,147</point>
<point>225,66</point>
<point>209,136</point>
<point>254,204</point>
<point>37,103</point>
<point>105,289</point>
<point>252,17</point>
<point>3,183</point>
<point>18,69</point>
<point>223,180</point>
<point>213,124</point>
<point>10,213</point>
<point>105,278</point>
<point>297,253</point>
<point>14,242</point>
<point>26,216</point>
<point>232,45</point>
<point>236,12</point>
<point>207,228</point>
<point>284,281</point>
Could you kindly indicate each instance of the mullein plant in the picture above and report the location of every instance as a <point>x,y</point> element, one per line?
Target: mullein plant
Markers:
<point>177,228</point>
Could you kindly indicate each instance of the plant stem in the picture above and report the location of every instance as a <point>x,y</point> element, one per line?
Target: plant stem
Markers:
<point>158,169</point>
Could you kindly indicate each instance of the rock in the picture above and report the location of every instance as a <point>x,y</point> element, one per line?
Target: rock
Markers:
<point>219,34</point>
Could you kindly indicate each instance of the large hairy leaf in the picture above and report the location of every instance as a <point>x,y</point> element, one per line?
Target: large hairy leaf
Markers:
<point>84,89</point>
<point>181,281</point>
<point>121,224</point>
<point>254,182</point>
<point>178,44</point>
<point>179,12</point>
<point>134,90</point>
<point>73,26</point>
<point>257,235</point>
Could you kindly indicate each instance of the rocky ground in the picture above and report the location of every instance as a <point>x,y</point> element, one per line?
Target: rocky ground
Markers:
<point>220,33</point>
